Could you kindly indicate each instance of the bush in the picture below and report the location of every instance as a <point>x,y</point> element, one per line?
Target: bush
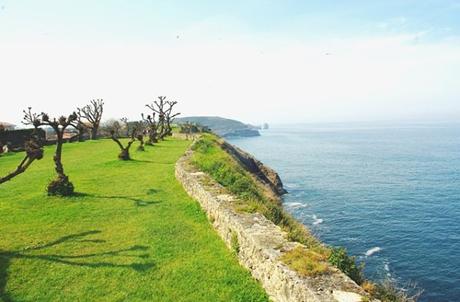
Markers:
<point>388,291</point>
<point>202,145</point>
<point>369,287</point>
<point>347,264</point>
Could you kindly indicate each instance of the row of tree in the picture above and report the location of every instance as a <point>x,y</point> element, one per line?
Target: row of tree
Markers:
<point>156,125</point>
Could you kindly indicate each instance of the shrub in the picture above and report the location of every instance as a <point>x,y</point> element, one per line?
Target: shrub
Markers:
<point>369,287</point>
<point>388,291</point>
<point>347,264</point>
<point>202,145</point>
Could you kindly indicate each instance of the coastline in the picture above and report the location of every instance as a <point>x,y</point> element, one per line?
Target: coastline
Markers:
<point>260,243</point>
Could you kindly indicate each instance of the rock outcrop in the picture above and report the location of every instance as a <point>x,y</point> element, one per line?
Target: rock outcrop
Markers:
<point>264,174</point>
<point>260,243</point>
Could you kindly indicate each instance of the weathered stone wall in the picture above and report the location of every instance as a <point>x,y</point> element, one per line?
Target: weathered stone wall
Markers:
<point>261,243</point>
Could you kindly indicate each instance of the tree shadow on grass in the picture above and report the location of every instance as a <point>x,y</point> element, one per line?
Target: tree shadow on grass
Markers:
<point>137,201</point>
<point>153,162</point>
<point>135,252</point>
<point>152,191</point>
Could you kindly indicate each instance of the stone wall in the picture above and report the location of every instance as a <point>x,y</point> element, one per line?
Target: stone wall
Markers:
<point>260,245</point>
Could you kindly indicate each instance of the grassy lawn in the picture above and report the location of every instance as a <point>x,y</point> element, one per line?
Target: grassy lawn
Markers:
<point>131,234</point>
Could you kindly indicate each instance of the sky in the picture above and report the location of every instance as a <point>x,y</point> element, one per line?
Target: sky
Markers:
<point>257,61</point>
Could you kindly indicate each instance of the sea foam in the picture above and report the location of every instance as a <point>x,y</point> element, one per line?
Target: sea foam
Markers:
<point>317,220</point>
<point>386,266</point>
<point>295,205</point>
<point>372,251</point>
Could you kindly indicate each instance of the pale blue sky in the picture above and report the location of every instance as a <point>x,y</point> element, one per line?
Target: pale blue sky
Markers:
<point>293,61</point>
<point>144,20</point>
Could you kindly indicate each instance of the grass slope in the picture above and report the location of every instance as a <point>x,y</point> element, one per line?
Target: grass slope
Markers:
<point>132,233</point>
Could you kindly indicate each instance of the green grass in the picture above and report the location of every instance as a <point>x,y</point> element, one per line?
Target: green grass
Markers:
<point>131,233</point>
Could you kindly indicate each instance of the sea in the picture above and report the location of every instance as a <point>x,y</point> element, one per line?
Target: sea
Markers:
<point>387,192</point>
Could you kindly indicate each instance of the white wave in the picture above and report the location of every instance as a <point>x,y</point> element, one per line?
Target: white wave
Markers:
<point>291,185</point>
<point>317,220</point>
<point>351,239</point>
<point>372,251</point>
<point>295,205</point>
<point>386,266</point>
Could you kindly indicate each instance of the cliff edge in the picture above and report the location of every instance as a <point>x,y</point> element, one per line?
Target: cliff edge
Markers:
<point>264,174</point>
<point>259,244</point>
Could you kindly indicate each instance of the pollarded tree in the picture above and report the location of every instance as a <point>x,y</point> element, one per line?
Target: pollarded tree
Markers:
<point>139,128</point>
<point>169,118</point>
<point>152,128</point>
<point>190,129</point>
<point>124,150</point>
<point>126,124</point>
<point>140,138</point>
<point>93,114</point>
<point>81,127</point>
<point>165,116</point>
<point>158,107</point>
<point>61,185</point>
<point>34,151</point>
<point>111,124</point>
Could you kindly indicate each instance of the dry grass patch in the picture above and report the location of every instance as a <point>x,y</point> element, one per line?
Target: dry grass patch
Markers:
<point>306,262</point>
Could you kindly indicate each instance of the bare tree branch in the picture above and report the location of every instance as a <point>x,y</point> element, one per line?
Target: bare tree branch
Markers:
<point>62,185</point>
<point>124,153</point>
<point>93,114</point>
<point>34,151</point>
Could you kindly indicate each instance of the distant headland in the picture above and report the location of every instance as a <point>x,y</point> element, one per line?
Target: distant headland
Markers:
<point>222,126</point>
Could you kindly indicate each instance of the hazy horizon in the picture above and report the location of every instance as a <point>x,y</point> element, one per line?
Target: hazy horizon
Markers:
<point>254,61</point>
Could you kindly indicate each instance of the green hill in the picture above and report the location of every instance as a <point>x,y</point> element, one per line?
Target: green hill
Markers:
<point>222,126</point>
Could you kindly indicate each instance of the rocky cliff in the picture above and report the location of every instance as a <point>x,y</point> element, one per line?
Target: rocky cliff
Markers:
<point>258,243</point>
<point>264,174</point>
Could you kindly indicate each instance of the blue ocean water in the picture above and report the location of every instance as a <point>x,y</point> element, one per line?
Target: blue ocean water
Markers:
<point>390,194</point>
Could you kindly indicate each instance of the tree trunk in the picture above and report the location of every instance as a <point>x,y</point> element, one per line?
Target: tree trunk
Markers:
<point>80,135</point>
<point>58,154</point>
<point>61,185</point>
<point>124,154</point>
<point>94,133</point>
